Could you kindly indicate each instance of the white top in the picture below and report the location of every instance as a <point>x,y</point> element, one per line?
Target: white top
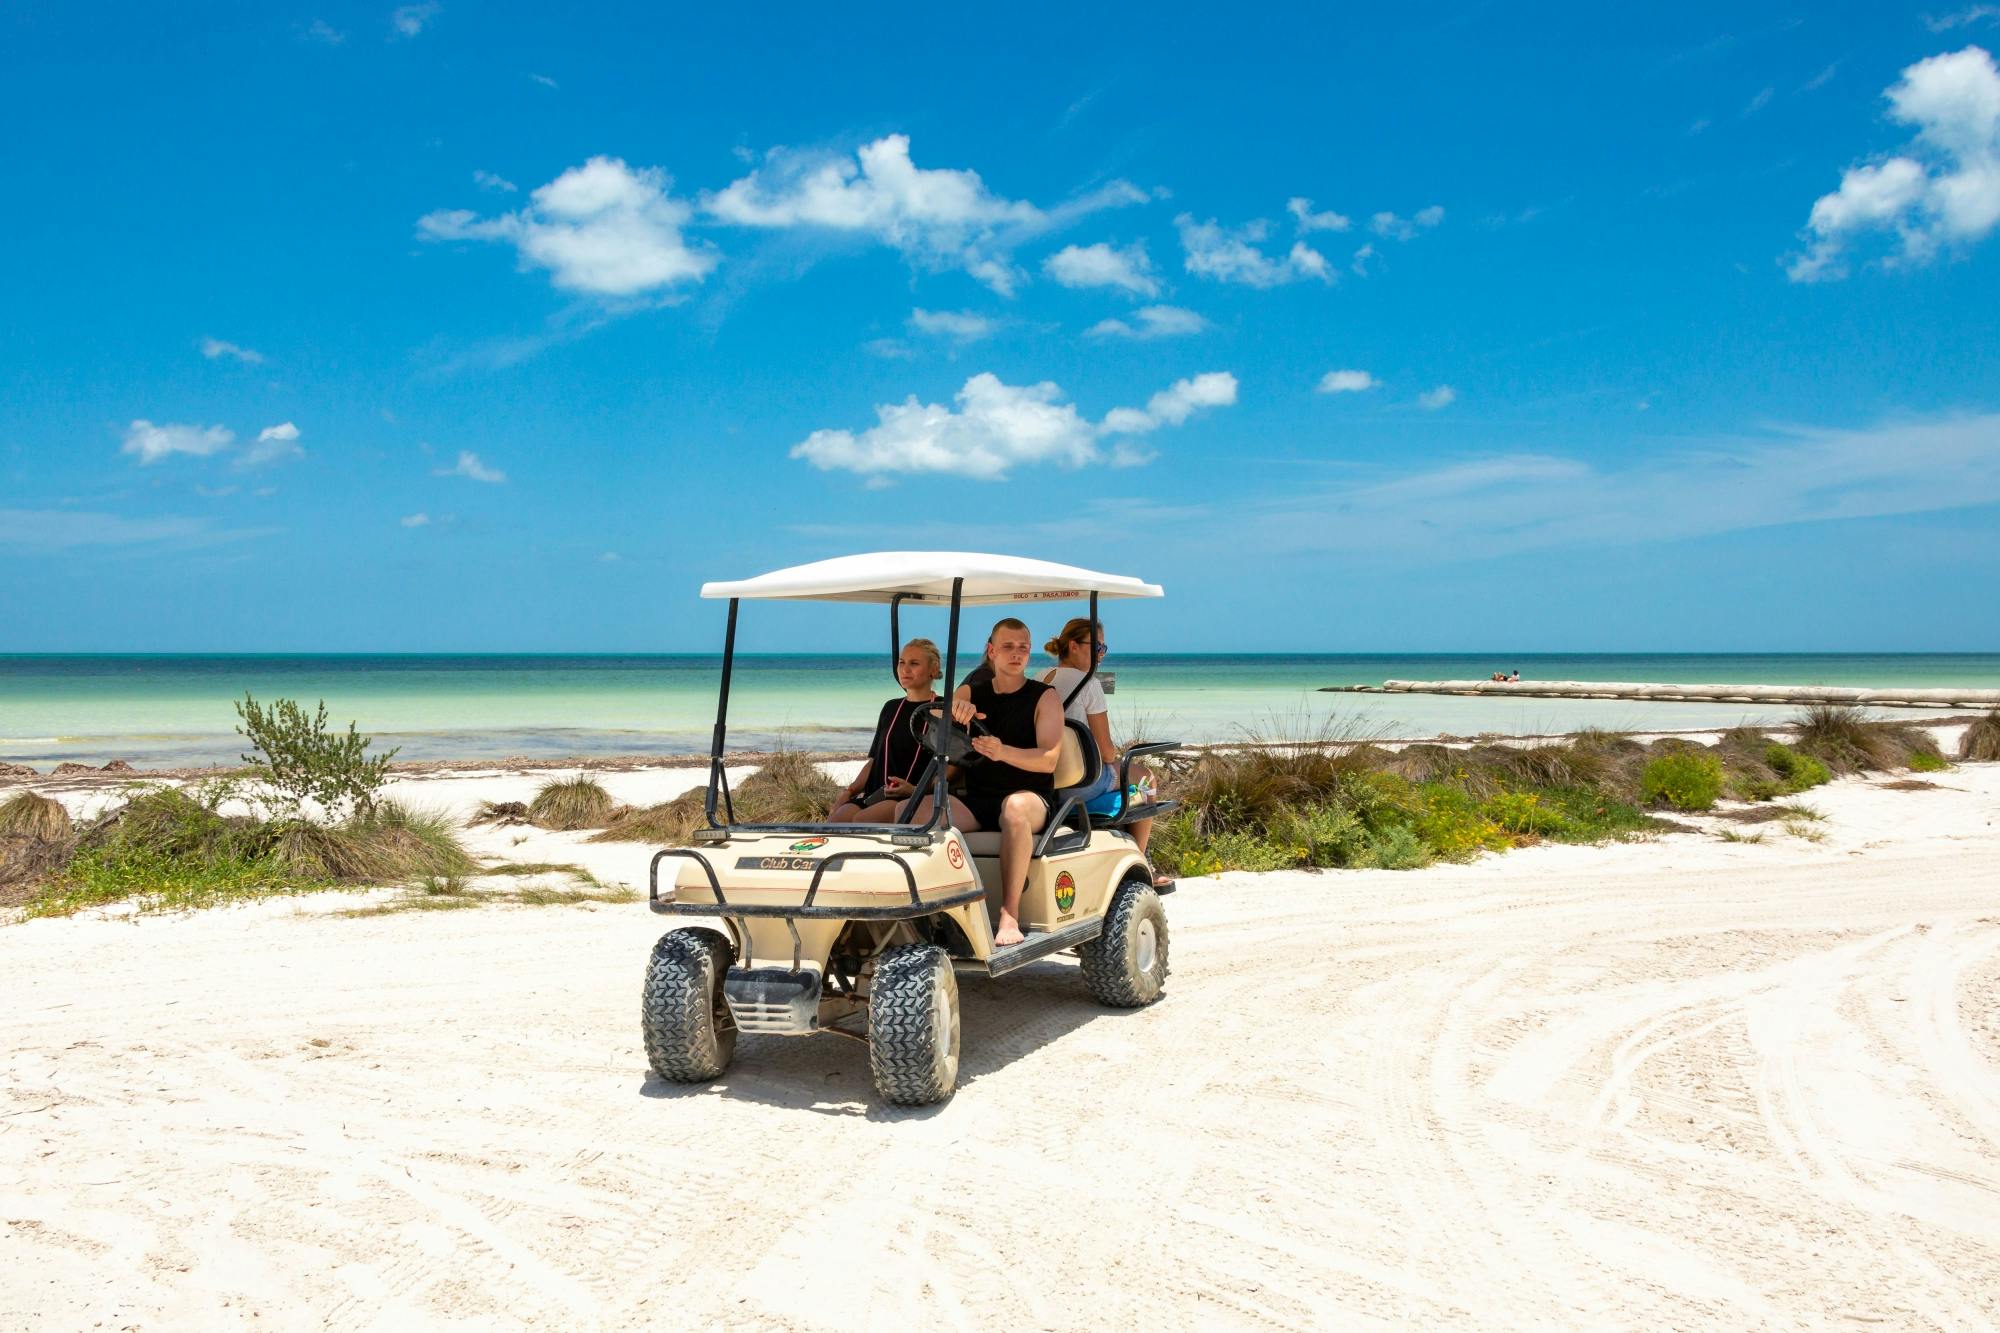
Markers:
<point>926,576</point>
<point>1089,700</point>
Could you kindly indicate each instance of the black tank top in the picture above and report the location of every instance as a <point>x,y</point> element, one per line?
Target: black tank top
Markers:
<point>1011,717</point>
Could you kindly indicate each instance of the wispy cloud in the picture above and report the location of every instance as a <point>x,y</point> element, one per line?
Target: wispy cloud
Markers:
<point>150,443</point>
<point>1235,254</point>
<point>417,520</point>
<point>1395,228</point>
<point>1758,102</point>
<point>544,80</point>
<point>1436,400</point>
<point>319,30</point>
<point>938,218</point>
<point>962,326</point>
<point>63,529</point>
<point>1522,502</point>
<point>410,20</point>
<point>486,180</point>
<point>1963,18</point>
<point>1150,321</point>
<point>1309,221</point>
<point>214,348</point>
<point>470,467</point>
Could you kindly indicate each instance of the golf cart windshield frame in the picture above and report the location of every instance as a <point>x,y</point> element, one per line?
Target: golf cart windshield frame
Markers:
<point>913,834</point>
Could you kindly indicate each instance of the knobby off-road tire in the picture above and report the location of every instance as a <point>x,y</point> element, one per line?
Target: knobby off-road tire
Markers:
<point>1126,965</point>
<point>690,1035</point>
<point>913,1025</point>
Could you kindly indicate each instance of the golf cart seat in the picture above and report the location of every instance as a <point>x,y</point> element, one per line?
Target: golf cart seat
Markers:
<point>1078,766</point>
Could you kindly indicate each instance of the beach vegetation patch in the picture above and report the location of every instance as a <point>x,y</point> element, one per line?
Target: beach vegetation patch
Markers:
<point>1795,772</point>
<point>1684,779</point>
<point>1843,737</point>
<point>564,804</point>
<point>32,815</point>
<point>788,788</point>
<point>1922,762</point>
<point>1981,742</point>
<point>298,759</point>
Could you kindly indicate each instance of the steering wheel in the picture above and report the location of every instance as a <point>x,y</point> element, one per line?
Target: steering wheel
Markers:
<point>957,740</point>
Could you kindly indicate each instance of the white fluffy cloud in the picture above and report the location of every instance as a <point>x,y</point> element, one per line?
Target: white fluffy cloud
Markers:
<point>273,443</point>
<point>1101,265</point>
<point>151,443</point>
<point>470,466</point>
<point>1402,229</point>
<point>603,228</point>
<point>1151,321</point>
<point>213,348</point>
<point>1436,400</point>
<point>1231,254</point>
<point>1302,209</point>
<point>937,217</point>
<point>959,325</point>
<point>1942,190</point>
<point>995,427</point>
<point>1348,381</point>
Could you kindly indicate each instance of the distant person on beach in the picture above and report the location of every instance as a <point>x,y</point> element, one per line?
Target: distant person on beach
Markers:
<point>1020,742</point>
<point>1073,653</point>
<point>894,757</point>
<point>1516,675</point>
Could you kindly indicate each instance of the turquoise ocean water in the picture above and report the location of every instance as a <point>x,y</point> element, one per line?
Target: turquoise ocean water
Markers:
<point>160,711</point>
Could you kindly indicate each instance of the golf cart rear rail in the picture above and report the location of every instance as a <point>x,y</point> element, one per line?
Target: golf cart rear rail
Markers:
<point>918,906</point>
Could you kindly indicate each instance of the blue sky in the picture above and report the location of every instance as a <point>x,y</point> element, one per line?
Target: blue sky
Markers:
<point>454,327</point>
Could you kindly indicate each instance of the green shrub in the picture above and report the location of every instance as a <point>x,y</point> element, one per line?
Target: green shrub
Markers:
<point>1796,772</point>
<point>1921,762</point>
<point>1683,779</point>
<point>299,760</point>
<point>1397,849</point>
<point>1451,824</point>
<point>570,803</point>
<point>1326,834</point>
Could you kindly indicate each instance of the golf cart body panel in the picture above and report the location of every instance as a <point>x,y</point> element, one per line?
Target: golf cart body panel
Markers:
<point>821,922</point>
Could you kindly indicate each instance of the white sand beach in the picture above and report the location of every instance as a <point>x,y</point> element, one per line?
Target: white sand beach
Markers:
<point>1684,1082</point>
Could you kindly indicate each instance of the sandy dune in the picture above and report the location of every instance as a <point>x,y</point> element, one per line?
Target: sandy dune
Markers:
<point>1686,1083</point>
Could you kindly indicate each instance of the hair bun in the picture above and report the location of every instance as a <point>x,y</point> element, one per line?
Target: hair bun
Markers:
<point>1054,647</point>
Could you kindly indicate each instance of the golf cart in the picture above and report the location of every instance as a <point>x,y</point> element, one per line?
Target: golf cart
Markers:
<point>818,924</point>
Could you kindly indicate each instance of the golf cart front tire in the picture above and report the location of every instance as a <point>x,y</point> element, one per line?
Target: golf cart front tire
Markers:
<point>1126,965</point>
<point>913,1025</point>
<point>690,1035</point>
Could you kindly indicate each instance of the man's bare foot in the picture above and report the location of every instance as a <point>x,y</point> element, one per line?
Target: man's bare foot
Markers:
<point>1009,932</point>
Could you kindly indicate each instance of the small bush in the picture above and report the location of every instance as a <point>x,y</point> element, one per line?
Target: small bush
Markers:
<point>35,816</point>
<point>1981,742</point>
<point>1922,762</point>
<point>570,803</point>
<point>1683,779</point>
<point>300,760</point>
<point>1796,772</point>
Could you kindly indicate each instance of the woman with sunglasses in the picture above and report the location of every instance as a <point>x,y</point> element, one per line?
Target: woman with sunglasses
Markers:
<point>1074,654</point>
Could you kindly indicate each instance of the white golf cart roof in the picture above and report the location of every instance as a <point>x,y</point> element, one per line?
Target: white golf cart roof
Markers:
<point>926,576</point>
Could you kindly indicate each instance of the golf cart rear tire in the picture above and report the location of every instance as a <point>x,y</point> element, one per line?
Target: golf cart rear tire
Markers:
<point>690,1035</point>
<point>1126,965</point>
<point>913,1025</point>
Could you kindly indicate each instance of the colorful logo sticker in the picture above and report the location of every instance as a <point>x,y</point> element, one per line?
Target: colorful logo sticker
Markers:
<point>808,844</point>
<point>1065,891</point>
<point>955,856</point>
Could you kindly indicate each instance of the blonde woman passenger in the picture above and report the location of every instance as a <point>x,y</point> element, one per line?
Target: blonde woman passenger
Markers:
<point>1074,655</point>
<point>1020,744</point>
<point>895,760</point>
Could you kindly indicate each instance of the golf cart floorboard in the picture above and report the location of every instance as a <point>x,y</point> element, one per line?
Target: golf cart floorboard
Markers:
<point>1040,944</point>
